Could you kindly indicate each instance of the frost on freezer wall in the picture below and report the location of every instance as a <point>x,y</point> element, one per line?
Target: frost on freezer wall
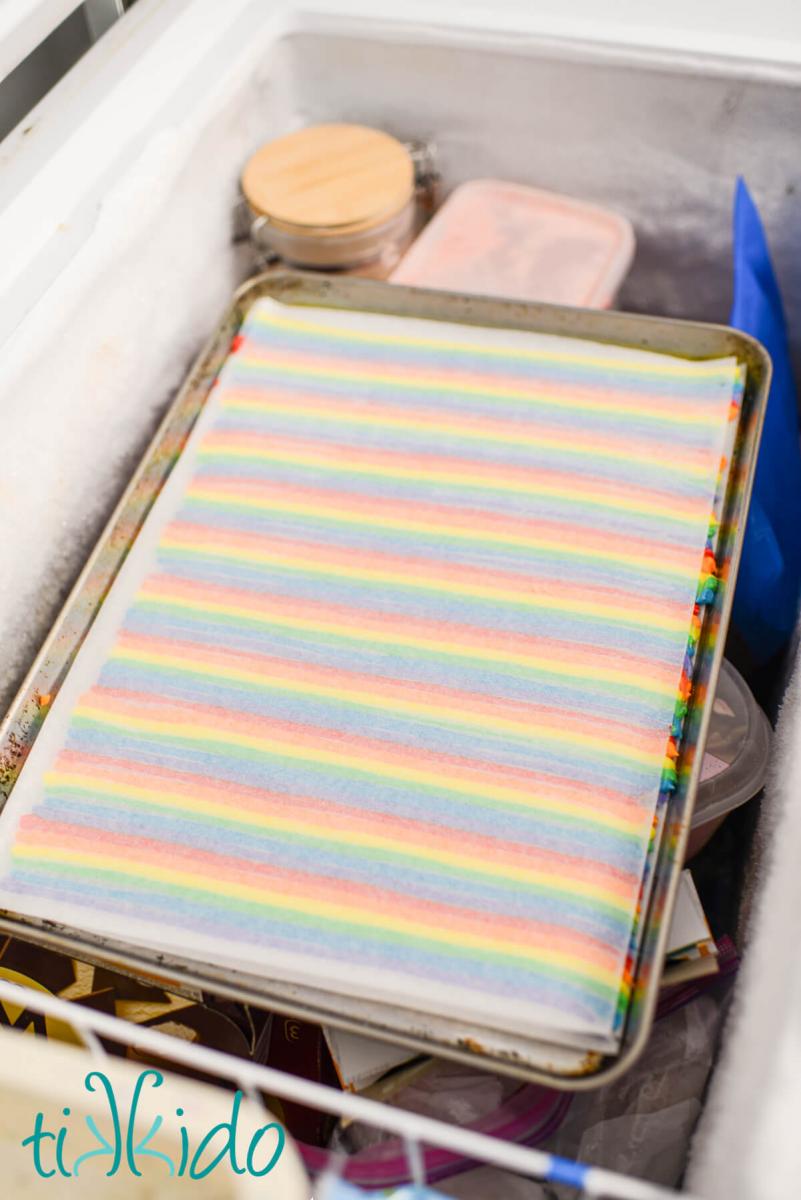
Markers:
<point>98,360</point>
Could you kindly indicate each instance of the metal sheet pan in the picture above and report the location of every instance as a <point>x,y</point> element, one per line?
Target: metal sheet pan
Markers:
<point>523,1057</point>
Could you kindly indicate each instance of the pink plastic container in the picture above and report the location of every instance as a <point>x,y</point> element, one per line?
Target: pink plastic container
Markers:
<point>529,1117</point>
<point>502,239</point>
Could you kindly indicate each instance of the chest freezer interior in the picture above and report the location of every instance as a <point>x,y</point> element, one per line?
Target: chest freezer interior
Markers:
<point>659,139</point>
<point>660,142</point>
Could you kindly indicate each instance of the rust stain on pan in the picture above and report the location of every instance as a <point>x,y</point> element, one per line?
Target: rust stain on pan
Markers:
<point>472,1045</point>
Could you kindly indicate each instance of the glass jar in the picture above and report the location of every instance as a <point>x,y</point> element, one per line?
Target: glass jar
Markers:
<point>338,198</point>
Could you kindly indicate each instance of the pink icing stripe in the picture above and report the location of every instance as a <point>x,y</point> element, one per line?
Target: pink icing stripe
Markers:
<point>336,816</point>
<point>326,891</point>
<point>575,482</point>
<point>438,632</point>
<point>268,398</point>
<point>360,749</point>
<point>533,387</point>
<point>447,699</point>
<point>191,535</point>
<point>474,519</point>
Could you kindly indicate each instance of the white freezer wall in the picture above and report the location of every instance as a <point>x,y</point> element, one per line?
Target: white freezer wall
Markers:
<point>87,367</point>
<point>115,271</point>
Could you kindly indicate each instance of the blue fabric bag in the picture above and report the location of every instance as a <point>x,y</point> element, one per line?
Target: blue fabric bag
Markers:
<point>769,582</point>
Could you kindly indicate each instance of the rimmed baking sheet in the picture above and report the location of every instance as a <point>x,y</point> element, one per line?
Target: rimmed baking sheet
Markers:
<point>524,1056</point>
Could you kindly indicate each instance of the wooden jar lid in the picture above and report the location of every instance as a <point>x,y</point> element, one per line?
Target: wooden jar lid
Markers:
<point>329,179</point>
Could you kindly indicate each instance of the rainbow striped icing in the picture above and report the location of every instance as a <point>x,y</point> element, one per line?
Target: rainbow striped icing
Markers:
<point>381,699</point>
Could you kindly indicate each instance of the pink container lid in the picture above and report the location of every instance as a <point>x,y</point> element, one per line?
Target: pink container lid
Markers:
<point>503,239</point>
